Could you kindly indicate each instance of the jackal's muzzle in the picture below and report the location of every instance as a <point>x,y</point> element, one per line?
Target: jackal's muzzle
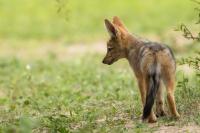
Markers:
<point>108,61</point>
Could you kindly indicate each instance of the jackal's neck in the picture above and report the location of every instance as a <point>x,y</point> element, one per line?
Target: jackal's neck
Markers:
<point>133,46</point>
<point>132,53</point>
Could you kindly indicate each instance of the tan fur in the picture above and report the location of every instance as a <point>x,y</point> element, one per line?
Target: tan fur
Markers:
<point>141,56</point>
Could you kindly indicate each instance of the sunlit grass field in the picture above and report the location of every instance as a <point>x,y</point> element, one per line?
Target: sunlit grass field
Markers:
<point>52,78</point>
<point>82,95</point>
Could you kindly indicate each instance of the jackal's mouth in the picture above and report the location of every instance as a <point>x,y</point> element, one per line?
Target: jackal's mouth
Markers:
<point>110,62</point>
<point>107,63</point>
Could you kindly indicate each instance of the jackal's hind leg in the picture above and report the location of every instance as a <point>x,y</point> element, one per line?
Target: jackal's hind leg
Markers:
<point>142,87</point>
<point>170,86</point>
<point>160,102</point>
<point>152,117</point>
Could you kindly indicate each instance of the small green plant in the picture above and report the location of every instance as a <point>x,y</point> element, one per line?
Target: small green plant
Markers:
<point>188,92</point>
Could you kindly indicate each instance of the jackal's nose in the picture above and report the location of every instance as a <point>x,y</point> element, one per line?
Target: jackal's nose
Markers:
<point>103,62</point>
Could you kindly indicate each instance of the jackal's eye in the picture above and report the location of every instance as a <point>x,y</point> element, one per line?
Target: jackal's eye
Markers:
<point>110,48</point>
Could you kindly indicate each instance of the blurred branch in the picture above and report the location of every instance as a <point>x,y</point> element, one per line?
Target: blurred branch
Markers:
<point>196,1</point>
<point>193,62</point>
<point>61,5</point>
<point>62,8</point>
<point>186,31</point>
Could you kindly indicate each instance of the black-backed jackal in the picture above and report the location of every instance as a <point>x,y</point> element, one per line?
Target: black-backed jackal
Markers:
<point>151,62</point>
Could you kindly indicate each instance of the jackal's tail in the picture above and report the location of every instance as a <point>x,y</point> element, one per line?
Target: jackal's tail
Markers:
<point>153,86</point>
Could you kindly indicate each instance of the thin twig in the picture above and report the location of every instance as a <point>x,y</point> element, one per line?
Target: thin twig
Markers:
<point>187,33</point>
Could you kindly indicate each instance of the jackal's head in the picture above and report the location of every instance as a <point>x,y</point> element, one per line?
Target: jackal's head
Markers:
<point>116,46</point>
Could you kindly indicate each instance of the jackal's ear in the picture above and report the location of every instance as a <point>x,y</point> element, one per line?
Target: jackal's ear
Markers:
<point>111,28</point>
<point>118,22</point>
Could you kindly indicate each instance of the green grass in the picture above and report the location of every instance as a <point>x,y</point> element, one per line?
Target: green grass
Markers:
<point>83,20</point>
<point>81,95</point>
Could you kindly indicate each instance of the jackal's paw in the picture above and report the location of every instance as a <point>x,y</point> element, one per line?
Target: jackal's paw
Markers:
<point>161,113</point>
<point>177,116</point>
<point>152,120</point>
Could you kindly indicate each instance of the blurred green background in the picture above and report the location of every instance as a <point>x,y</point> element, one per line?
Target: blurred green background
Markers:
<point>76,20</point>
